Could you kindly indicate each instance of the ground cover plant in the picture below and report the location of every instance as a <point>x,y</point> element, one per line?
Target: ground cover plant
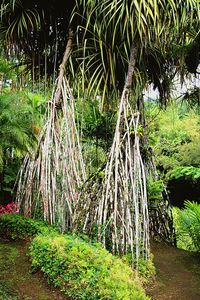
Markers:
<point>82,270</point>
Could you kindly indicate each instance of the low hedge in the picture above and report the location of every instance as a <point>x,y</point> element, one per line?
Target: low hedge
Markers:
<point>14,226</point>
<point>84,271</point>
<point>81,270</point>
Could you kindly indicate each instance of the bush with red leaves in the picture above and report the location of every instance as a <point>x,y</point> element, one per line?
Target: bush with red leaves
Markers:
<point>10,208</point>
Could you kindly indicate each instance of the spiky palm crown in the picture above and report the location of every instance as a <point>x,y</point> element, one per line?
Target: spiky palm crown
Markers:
<point>159,29</point>
<point>105,32</point>
<point>33,28</point>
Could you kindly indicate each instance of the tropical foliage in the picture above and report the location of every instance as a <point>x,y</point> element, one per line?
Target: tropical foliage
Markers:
<point>35,29</point>
<point>105,32</point>
<point>20,123</point>
<point>184,172</point>
<point>187,222</point>
<point>174,135</point>
<point>97,116</point>
<point>82,270</point>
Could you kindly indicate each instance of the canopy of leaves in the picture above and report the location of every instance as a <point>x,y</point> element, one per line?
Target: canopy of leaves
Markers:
<point>156,28</point>
<point>105,32</point>
<point>36,30</point>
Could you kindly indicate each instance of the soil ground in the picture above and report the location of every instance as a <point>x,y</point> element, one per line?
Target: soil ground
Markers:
<point>178,274</point>
<point>17,282</point>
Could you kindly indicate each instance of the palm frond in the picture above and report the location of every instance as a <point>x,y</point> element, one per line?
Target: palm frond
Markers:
<point>110,27</point>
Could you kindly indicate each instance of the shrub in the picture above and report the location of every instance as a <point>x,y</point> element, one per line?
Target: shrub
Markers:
<point>80,269</point>
<point>155,189</point>
<point>17,227</point>
<point>146,268</point>
<point>187,172</point>
<point>10,208</point>
<point>84,271</point>
<point>187,224</point>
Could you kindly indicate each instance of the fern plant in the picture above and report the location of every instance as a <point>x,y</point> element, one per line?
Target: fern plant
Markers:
<point>155,189</point>
<point>187,223</point>
<point>189,172</point>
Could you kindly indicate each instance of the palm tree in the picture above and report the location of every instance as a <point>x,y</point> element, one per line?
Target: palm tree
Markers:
<point>119,37</point>
<point>113,31</point>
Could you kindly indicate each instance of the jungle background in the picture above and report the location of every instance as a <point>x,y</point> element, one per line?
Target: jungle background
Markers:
<point>117,50</point>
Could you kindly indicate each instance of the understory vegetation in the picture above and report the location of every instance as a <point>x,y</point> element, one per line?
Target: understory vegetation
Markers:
<point>187,223</point>
<point>81,269</point>
<point>175,136</point>
<point>21,118</point>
